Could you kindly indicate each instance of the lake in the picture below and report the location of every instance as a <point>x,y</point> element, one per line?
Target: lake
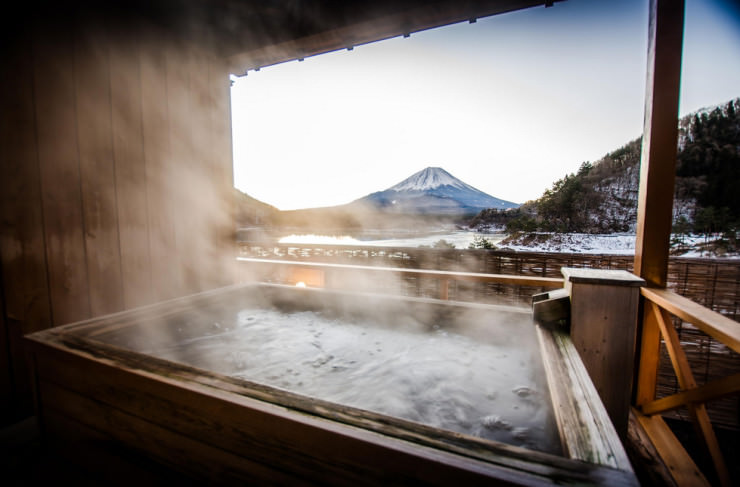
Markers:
<point>460,239</point>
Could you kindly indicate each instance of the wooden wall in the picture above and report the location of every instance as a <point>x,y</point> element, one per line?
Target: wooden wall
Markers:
<point>115,179</point>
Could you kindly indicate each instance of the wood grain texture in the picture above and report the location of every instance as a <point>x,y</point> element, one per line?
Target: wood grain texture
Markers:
<point>710,322</point>
<point>99,459</point>
<point>586,430</point>
<point>311,439</point>
<point>604,329</point>
<point>160,422</point>
<point>97,170</point>
<point>679,463</point>
<point>220,90</point>
<point>160,168</point>
<point>58,155</point>
<point>384,27</point>
<point>649,466</point>
<point>685,377</point>
<point>212,464</point>
<point>704,393</point>
<point>179,165</point>
<point>22,248</point>
<point>130,170</point>
<point>649,357</point>
<point>602,277</point>
<point>23,267</point>
<point>659,140</point>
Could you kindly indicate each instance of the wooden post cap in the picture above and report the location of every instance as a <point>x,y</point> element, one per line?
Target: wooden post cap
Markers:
<point>602,276</point>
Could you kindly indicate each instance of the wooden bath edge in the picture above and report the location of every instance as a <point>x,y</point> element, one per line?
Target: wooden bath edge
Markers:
<point>216,428</point>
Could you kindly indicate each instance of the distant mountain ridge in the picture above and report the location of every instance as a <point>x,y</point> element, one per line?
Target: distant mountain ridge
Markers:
<point>602,196</point>
<point>432,191</point>
<point>428,198</point>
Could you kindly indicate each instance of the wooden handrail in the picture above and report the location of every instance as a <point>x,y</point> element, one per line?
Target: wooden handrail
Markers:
<point>548,282</point>
<point>710,322</point>
<point>659,306</point>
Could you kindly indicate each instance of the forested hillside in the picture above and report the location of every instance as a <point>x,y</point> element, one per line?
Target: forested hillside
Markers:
<point>602,196</point>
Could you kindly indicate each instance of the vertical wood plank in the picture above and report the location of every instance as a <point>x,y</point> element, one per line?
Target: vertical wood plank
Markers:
<point>22,247</point>
<point>209,89</point>
<point>54,89</point>
<point>659,140</point>
<point>649,357</point>
<point>179,165</point>
<point>220,88</point>
<point>205,177</point>
<point>160,181</point>
<point>604,313</point>
<point>97,171</point>
<point>25,292</point>
<point>130,171</point>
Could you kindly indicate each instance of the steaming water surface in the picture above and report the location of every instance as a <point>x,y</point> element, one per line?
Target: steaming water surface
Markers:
<point>488,387</point>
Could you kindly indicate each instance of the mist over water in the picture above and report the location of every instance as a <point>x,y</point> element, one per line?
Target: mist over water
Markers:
<point>460,239</point>
<point>490,384</point>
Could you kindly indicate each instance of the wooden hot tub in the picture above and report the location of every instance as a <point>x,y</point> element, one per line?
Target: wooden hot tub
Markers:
<point>277,384</point>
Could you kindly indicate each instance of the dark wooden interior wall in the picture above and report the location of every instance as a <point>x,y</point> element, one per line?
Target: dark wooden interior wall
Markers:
<point>115,179</point>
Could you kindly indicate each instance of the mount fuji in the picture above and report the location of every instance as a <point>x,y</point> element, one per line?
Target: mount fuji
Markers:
<point>432,191</point>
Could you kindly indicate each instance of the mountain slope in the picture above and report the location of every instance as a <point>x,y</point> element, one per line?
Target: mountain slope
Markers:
<point>432,191</point>
<point>602,197</point>
<point>249,211</point>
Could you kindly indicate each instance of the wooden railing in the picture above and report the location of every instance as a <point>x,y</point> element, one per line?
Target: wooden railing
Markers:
<point>444,277</point>
<point>660,306</point>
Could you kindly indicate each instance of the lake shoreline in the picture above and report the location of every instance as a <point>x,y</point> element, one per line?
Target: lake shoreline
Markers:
<point>459,238</point>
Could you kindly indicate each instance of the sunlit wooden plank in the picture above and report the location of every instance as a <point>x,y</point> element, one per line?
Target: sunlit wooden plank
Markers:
<point>673,345</point>
<point>710,322</point>
<point>660,134</point>
<point>682,468</point>
<point>707,392</point>
<point>647,373</point>
<point>686,381</point>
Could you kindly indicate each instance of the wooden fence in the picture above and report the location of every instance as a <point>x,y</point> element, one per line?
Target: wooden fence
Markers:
<point>713,283</point>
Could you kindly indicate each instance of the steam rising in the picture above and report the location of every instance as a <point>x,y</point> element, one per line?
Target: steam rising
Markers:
<point>470,369</point>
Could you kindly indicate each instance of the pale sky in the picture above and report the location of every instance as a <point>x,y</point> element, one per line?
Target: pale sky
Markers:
<point>508,104</point>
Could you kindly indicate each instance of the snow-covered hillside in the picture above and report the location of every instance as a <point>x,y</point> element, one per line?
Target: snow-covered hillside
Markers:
<point>613,244</point>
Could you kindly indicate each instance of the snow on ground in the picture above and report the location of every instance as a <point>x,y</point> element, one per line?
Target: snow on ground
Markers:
<point>613,244</point>
<point>577,243</point>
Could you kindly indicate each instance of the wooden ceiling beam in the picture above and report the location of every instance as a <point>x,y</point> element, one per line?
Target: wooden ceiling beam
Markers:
<point>404,23</point>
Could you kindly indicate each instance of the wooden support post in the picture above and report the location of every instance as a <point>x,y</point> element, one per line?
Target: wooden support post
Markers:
<point>659,140</point>
<point>444,289</point>
<point>649,358</point>
<point>604,310</point>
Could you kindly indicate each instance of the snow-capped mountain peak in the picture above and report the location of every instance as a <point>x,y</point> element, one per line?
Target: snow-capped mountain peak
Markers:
<point>429,178</point>
<point>433,191</point>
